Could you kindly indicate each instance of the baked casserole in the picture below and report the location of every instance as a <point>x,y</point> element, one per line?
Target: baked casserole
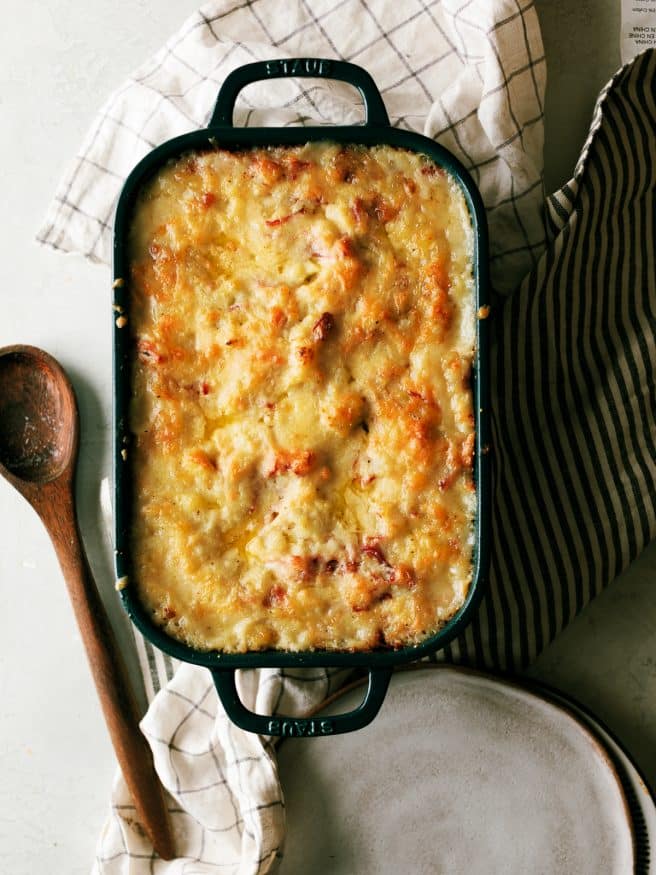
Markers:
<point>302,431</point>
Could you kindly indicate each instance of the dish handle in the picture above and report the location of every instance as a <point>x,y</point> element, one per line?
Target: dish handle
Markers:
<point>314,68</point>
<point>278,725</point>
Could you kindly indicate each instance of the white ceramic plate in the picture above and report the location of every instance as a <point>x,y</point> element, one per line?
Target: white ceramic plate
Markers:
<point>641,803</point>
<point>459,773</point>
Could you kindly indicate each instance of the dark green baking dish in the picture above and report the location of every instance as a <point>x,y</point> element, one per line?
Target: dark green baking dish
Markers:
<point>376,130</point>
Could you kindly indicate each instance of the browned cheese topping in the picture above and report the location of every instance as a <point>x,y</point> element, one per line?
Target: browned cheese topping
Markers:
<point>303,325</point>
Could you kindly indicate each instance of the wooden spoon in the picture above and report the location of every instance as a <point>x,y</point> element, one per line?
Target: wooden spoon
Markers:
<point>39,437</point>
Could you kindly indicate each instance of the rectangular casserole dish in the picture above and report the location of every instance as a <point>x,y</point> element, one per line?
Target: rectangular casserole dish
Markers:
<point>220,133</point>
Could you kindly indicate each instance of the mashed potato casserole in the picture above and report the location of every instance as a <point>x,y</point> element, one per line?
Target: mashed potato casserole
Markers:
<point>303,322</point>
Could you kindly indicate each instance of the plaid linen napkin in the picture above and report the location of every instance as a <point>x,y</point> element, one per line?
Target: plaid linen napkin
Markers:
<point>573,357</point>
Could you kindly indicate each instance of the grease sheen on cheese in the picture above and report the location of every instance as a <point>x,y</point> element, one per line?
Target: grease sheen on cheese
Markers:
<point>303,322</point>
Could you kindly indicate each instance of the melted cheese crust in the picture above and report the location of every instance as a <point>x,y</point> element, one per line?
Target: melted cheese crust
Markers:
<point>304,323</point>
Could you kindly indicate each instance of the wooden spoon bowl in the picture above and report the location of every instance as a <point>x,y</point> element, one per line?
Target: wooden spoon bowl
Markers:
<point>38,419</point>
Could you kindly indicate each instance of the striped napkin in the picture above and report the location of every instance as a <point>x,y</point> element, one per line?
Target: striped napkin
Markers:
<point>573,357</point>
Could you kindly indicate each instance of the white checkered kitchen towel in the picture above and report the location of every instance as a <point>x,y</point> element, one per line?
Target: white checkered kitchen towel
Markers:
<point>573,353</point>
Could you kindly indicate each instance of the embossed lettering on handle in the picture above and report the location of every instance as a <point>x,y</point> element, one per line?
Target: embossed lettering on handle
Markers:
<point>302,727</point>
<point>290,728</point>
<point>314,68</point>
<point>299,67</point>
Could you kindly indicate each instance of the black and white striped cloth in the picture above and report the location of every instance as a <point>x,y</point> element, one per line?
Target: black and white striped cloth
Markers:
<point>573,357</point>
<point>574,390</point>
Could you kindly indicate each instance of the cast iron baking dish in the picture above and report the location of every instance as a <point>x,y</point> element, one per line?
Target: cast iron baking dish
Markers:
<point>376,130</point>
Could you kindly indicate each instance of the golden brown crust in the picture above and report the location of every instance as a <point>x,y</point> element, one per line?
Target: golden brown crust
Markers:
<point>303,324</point>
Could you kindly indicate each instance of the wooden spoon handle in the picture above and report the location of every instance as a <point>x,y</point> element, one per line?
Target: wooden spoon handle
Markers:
<point>109,673</point>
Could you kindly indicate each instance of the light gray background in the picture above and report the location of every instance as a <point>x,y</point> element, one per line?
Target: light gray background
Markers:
<point>58,62</point>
